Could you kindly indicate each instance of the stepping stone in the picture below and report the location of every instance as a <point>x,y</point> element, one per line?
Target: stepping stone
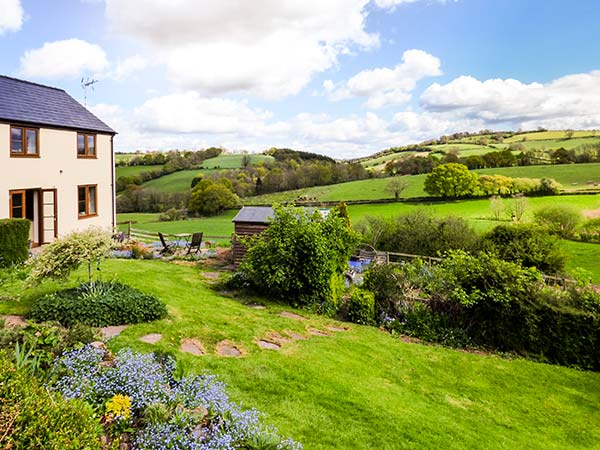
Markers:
<point>226,348</point>
<point>211,275</point>
<point>268,345</point>
<point>14,321</point>
<point>290,315</point>
<point>336,329</point>
<point>256,306</point>
<point>316,332</point>
<point>151,338</point>
<point>112,331</point>
<point>276,337</point>
<point>295,336</point>
<point>192,346</point>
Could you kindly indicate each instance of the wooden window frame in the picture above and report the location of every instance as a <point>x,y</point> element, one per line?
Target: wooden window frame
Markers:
<point>24,142</point>
<point>22,192</point>
<point>86,154</point>
<point>87,200</point>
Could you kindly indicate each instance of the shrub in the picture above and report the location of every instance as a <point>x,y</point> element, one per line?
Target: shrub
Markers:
<point>172,214</point>
<point>590,231</point>
<point>31,417</point>
<point>61,257</point>
<point>14,241</point>
<point>560,219</point>
<point>361,307</point>
<point>301,258</point>
<point>526,244</point>
<point>100,304</point>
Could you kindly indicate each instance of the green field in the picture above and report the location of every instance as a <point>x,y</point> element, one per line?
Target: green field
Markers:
<point>234,161</point>
<point>549,135</point>
<point>571,176</point>
<point>125,171</point>
<point>382,160</point>
<point>175,182</point>
<point>360,389</point>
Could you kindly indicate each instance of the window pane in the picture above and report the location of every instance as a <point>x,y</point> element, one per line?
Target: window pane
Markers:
<point>82,202</point>
<point>92,199</point>
<point>32,142</point>
<point>16,140</point>
<point>91,145</point>
<point>80,144</point>
<point>17,200</point>
<point>18,206</point>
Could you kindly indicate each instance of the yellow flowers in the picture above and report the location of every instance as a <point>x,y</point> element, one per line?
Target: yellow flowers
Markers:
<point>118,407</point>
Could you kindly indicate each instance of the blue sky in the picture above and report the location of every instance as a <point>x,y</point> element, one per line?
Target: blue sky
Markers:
<point>340,77</point>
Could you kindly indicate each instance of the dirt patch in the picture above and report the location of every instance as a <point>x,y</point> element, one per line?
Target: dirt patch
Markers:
<point>316,332</point>
<point>151,338</point>
<point>256,306</point>
<point>192,346</point>
<point>591,213</point>
<point>227,349</point>
<point>268,345</point>
<point>112,331</point>
<point>295,336</point>
<point>336,328</point>
<point>291,315</point>
<point>14,321</point>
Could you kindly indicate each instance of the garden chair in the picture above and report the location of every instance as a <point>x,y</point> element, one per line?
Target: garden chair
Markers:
<point>195,243</point>
<point>167,247</point>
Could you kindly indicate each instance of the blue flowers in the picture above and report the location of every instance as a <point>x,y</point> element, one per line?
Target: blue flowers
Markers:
<point>198,413</point>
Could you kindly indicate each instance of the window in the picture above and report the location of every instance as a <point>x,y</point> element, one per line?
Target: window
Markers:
<point>17,204</point>
<point>87,200</point>
<point>86,145</point>
<point>24,142</point>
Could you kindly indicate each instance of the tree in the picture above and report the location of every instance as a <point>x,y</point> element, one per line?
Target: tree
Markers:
<point>560,219</point>
<point>396,186</point>
<point>518,207</point>
<point>301,258</point>
<point>451,180</point>
<point>209,198</point>
<point>497,206</point>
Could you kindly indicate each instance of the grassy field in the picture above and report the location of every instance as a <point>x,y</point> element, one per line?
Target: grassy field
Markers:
<point>571,176</point>
<point>363,389</point>
<point>234,161</point>
<point>549,135</point>
<point>175,182</point>
<point>554,144</point>
<point>123,171</point>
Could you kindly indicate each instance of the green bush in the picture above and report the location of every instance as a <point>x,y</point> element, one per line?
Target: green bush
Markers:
<point>526,244</point>
<point>361,307</point>
<point>300,258</point>
<point>100,304</point>
<point>590,231</point>
<point>14,241</point>
<point>31,417</point>
<point>560,219</point>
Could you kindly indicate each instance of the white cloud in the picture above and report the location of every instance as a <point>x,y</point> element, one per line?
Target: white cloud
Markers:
<point>11,18</point>
<point>126,68</point>
<point>385,86</point>
<point>270,48</point>
<point>569,101</point>
<point>391,4</point>
<point>63,59</point>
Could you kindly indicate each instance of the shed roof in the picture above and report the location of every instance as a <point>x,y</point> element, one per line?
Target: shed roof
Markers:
<point>27,102</point>
<point>255,214</point>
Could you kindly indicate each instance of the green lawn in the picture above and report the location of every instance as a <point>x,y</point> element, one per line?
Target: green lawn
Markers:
<point>234,161</point>
<point>363,389</point>
<point>122,171</point>
<point>176,181</point>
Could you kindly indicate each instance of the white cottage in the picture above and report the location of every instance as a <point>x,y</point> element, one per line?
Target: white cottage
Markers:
<point>56,161</point>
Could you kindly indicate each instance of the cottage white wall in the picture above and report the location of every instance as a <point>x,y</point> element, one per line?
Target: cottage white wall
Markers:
<point>58,167</point>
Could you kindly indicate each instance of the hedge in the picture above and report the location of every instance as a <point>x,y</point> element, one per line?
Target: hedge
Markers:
<point>14,241</point>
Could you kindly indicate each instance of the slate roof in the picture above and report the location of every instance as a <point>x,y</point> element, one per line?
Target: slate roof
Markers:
<point>255,214</point>
<point>23,101</point>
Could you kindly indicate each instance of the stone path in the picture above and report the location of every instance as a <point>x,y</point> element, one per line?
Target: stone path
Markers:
<point>151,338</point>
<point>112,331</point>
<point>268,345</point>
<point>316,332</point>
<point>211,275</point>
<point>290,315</point>
<point>14,321</point>
<point>226,348</point>
<point>256,306</point>
<point>336,329</point>
<point>192,346</point>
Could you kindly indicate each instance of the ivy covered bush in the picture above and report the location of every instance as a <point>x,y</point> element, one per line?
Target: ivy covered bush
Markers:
<point>14,241</point>
<point>99,304</point>
<point>143,405</point>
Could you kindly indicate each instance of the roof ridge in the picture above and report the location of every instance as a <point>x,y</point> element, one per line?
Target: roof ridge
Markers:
<point>31,82</point>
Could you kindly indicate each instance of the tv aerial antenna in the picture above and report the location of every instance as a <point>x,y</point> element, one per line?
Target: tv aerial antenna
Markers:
<point>85,84</point>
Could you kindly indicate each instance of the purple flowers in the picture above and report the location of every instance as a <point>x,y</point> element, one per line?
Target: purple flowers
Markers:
<point>198,412</point>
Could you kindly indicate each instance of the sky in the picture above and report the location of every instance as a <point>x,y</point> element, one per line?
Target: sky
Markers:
<point>346,78</point>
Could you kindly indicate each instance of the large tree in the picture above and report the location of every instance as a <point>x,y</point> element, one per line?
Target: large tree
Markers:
<point>451,180</point>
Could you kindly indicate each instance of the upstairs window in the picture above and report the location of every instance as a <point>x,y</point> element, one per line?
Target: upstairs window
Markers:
<point>87,200</point>
<point>86,145</point>
<point>24,142</point>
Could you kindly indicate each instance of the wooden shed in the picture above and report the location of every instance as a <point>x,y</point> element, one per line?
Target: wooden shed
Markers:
<point>249,221</point>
